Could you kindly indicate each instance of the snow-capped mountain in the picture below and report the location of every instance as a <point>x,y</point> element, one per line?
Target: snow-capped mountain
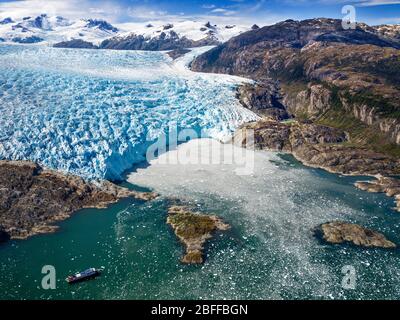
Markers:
<point>170,36</point>
<point>390,31</point>
<point>6,21</point>
<point>193,30</point>
<point>52,29</point>
<point>92,33</point>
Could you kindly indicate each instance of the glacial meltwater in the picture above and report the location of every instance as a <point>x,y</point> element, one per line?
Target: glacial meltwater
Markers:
<point>93,113</point>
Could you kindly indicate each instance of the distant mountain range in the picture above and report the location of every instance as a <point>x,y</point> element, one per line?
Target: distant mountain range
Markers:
<point>93,33</point>
<point>52,29</point>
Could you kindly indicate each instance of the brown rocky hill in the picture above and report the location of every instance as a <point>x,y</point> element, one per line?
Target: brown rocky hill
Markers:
<point>316,70</point>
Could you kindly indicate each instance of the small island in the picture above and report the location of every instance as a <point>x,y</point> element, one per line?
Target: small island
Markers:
<point>193,229</point>
<point>339,232</point>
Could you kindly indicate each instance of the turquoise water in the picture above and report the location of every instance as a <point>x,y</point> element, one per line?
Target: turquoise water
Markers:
<point>257,259</point>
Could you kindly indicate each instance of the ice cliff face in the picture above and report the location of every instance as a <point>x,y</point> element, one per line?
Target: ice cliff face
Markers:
<point>94,113</point>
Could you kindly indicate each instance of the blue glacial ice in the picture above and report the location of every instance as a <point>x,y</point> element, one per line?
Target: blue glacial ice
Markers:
<point>94,112</point>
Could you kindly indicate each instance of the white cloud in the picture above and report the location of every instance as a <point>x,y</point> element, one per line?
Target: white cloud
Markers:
<point>223,11</point>
<point>359,3</point>
<point>371,3</point>
<point>69,9</point>
<point>111,11</point>
<point>119,15</point>
<point>77,9</point>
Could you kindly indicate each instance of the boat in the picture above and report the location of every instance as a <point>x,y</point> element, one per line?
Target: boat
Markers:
<point>84,275</point>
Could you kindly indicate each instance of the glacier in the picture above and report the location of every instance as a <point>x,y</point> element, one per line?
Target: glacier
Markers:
<point>95,113</point>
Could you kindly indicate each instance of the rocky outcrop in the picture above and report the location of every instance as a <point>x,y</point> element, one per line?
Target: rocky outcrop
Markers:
<point>101,25</point>
<point>193,230</point>
<point>346,233</point>
<point>313,101</point>
<point>27,40</point>
<point>317,146</point>
<point>389,186</point>
<point>317,99</point>
<point>76,44</point>
<point>168,40</point>
<point>263,98</point>
<point>391,127</point>
<point>388,31</point>
<point>6,21</point>
<point>175,54</point>
<point>372,116</point>
<point>32,198</point>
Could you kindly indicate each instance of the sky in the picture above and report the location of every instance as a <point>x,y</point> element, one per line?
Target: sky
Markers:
<point>262,12</point>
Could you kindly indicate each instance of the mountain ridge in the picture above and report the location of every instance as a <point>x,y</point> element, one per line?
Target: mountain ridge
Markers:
<point>343,78</point>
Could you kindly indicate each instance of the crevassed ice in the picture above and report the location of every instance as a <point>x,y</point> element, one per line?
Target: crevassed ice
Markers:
<point>95,112</point>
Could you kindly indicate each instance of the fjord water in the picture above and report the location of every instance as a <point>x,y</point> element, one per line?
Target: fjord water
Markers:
<point>88,112</point>
<point>270,252</point>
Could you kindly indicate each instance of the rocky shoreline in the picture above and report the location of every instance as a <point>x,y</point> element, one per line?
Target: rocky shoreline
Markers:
<point>193,229</point>
<point>325,148</point>
<point>389,186</point>
<point>318,146</point>
<point>33,199</point>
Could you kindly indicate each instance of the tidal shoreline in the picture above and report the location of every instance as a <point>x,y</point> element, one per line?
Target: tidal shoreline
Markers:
<point>34,199</point>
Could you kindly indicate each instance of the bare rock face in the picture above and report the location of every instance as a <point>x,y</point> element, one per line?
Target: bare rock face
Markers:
<point>313,101</point>
<point>76,44</point>
<point>389,186</point>
<point>263,98</point>
<point>32,198</point>
<point>175,54</point>
<point>193,230</point>
<point>372,116</point>
<point>341,233</point>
